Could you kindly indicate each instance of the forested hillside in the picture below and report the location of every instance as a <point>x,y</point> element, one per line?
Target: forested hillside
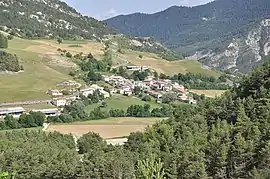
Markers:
<point>225,34</point>
<point>51,18</point>
<point>227,137</point>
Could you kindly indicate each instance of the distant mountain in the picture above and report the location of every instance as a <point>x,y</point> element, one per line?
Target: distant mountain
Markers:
<point>52,18</point>
<point>227,34</point>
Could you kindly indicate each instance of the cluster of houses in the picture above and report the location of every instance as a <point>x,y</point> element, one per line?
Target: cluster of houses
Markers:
<point>60,100</point>
<point>155,88</point>
<point>120,85</point>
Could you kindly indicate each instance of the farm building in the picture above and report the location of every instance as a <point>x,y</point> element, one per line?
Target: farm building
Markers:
<point>137,68</point>
<point>48,112</point>
<point>15,111</point>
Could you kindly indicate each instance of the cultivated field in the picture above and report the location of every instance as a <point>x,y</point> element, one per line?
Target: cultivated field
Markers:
<point>108,128</point>
<point>209,93</point>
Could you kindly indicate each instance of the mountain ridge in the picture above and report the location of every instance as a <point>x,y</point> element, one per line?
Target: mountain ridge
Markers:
<point>208,28</point>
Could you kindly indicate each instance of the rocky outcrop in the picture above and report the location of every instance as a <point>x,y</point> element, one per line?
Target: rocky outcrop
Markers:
<point>242,53</point>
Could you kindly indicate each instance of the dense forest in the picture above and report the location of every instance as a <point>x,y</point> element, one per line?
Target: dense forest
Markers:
<point>227,137</point>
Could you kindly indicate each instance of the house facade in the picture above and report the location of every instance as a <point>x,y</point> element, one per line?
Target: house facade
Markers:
<point>59,102</point>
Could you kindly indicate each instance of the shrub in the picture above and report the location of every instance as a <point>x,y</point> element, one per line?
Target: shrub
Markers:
<point>10,37</point>
<point>69,55</point>
<point>146,98</point>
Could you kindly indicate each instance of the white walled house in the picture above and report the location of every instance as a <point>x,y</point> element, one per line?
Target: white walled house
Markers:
<point>59,102</point>
<point>86,92</point>
<point>105,93</point>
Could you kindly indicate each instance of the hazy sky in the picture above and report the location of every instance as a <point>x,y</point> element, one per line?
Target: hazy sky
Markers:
<point>102,9</point>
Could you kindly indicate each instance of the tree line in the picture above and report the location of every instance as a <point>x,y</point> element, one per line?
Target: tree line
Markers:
<point>76,112</point>
<point>198,81</point>
<point>33,119</point>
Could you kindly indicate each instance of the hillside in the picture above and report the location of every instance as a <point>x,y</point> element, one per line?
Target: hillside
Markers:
<point>226,34</point>
<point>48,18</point>
<point>44,67</point>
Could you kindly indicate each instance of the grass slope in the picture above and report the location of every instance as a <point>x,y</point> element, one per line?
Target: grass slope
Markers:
<point>121,102</point>
<point>36,79</point>
<point>163,66</point>
<point>209,93</point>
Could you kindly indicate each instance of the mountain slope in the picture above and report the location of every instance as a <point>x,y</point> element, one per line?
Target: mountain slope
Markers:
<point>39,18</point>
<point>207,31</point>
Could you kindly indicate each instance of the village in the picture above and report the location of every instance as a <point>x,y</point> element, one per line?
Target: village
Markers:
<point>119,85</point>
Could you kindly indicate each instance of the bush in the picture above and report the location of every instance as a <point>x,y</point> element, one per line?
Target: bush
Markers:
<point>140,56</point>
<point>3,41</point>
<point>72,73</point>
<point>69,55</point>
<point>74,46</point>
<point>146,98</point>
<point>10,37</point>
<point>59,40</point>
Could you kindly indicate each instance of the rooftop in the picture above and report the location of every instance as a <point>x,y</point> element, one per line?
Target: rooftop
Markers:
<point>11,110</point>
<point>52,110</point>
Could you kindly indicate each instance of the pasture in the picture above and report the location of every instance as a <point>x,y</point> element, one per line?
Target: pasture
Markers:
<point>121,102</point>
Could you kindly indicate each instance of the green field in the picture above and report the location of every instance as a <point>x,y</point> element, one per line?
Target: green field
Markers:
<point>121,102</point>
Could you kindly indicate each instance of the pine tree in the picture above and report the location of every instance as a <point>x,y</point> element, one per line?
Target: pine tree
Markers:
<point>218,149</point>
<point>150,168</point>
<point>3,41</point>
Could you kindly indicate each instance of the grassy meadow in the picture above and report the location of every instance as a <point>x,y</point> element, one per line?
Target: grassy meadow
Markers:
<point>121,102</point>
